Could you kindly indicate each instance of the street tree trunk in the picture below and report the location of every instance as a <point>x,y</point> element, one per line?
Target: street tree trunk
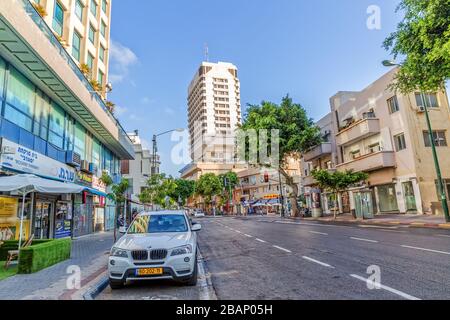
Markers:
<point>295,192</point>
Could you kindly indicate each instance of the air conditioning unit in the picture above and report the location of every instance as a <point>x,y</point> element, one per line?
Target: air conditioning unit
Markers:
<point>73,159</point>
<point>421,109</point>
<point>85,166</point>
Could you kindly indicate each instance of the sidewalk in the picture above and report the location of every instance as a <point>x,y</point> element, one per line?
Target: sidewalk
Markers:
<point>408,220</point>
<point>89,253</point>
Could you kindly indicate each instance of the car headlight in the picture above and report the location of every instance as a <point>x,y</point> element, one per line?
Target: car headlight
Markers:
<point>116,252</point>
<point>182,250</point>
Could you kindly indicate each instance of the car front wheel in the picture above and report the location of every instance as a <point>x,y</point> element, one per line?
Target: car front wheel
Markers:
<point>192,281</point>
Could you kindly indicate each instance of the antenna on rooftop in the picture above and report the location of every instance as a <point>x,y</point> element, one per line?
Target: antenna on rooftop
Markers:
<point>206,52</point>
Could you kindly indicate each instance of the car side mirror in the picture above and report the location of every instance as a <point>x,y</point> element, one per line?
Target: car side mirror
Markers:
<point>196,227</point>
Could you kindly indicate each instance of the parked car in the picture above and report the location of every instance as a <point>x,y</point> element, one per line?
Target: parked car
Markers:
<point>199,214</point>
<point>157,245</point>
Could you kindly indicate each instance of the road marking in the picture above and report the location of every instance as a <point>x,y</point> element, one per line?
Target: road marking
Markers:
<point>260,240</point>
<point>322,233</point>
<point>318,262</point>
<point>429,250</point>
<point>444,235</point>
<point>248,236</point>
<point>283,249</point>
<point>395,291</point>
<point>364,240</point>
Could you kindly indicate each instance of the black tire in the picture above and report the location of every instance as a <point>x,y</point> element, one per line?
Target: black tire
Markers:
<point>116,284</point>
<point>192,281</point>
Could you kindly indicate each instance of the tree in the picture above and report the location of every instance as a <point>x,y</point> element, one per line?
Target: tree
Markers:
<point>159,190</point>
<point>118,195</point>
<point>297,133</point>
<point>229,182</point>
<point>423,38</point>
<point>183,191</point>
<point>338,181</point>
<point>208,186</point>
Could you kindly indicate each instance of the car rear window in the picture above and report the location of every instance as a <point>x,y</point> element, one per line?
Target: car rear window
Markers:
<point>158,224</point>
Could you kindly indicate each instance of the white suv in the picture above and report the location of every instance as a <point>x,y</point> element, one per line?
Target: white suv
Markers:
<point>158,245</point>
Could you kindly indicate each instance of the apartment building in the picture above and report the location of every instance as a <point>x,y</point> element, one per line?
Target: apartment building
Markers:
<point>214,112</point>
<point>385,134</point>
<point>53,125</point>
<point>139,170</point>
<point>83,28</point>
<point>321,157</point>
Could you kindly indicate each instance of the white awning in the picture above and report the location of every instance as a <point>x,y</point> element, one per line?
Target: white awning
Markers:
<point>26,183</point>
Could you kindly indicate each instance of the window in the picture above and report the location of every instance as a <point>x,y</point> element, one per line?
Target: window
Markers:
<point>373,148</point>
<point>104,6</point>
<point>355,154</point>
<point>427,100</point>
<point>2,76</point>
<point>76,46</point>
<point>159,224</point>
<point>96,153</point>
<point>400,142</point>
<point>101,77</point>
<point>79,10</point>
<point>103,29</point>
<point>69,136</point>
<point>94,7</point>
<point>101,54</point>
<point>56,126</point>
<point>80,141</point>
<point>439,137</point>
<point>58,19</point>
<point>41,115</point>
<point>20,100</point>
<point>90,62</point>
<point>393,105</point>
<point>91,34</point>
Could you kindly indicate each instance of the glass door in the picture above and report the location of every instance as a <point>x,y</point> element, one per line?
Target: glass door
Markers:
<point>410,199</point>
<point>364,205</point>
<point>42,220</point>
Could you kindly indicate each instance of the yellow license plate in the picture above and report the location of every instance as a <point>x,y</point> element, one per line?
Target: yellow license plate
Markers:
<point>149,271</point>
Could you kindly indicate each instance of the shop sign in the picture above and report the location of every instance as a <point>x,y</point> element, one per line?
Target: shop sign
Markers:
<point>8,217</point>
<point>26,160</point>
<point>98,184</point>
<point>84,178</point>
<point>271,196</point>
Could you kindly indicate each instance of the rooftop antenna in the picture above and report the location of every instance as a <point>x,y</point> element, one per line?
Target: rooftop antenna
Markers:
<point>206,52</point>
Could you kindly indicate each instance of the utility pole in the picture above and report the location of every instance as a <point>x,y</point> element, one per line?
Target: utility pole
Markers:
<point>154,156</point>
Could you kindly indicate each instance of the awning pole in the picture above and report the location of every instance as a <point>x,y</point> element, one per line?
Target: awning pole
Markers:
<point>21,221</point>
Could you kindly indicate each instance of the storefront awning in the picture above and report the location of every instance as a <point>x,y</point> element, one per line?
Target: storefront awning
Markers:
<point>26,183</point>
<point>96,192</point>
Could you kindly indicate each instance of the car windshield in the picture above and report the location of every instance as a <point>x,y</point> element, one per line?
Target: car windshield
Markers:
<point>158,224</point>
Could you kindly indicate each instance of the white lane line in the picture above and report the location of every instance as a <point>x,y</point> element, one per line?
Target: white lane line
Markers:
<point>322,233</point>
<point>428,250</point>
<point>364,240</point>
<point>395,291</point>
<point>260,240</point>
<point>444,235</point>
<point>282,249</point>
<point>248,236</point>
<point>318,262</point>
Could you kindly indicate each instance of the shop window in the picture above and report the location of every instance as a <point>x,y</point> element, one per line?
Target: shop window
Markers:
<point>387,198</point>
<point>2,77</point>
<point>80,141</point>
<point>56,126</point>
<point>41,115</point>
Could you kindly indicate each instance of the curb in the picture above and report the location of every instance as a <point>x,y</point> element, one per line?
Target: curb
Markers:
<point>209,290</point>
<point>96,289</point>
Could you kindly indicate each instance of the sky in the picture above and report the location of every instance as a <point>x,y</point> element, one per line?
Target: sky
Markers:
<point>307,49</point>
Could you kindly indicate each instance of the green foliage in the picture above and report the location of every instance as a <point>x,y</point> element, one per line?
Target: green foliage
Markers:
<point>423,38</point>
<point>118,194</point>
<point>298,133</point>
<point>183,191</point>
<point>338,181</point>
<point>14,245</point>
<point>164,191</point>
<point>106,179</point>
<point>208,186</point>
<point>232,181</point>
<point>41,256</point>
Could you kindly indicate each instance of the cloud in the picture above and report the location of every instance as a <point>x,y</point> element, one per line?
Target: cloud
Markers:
<point>122,58</point>
<point>169,111</point>
<point>146,100</point>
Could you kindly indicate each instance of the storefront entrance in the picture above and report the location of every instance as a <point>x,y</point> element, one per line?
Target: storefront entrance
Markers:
<point>410,199</point>
<point>43,220</point>
<point>387,199</point>
<point>364,205</point>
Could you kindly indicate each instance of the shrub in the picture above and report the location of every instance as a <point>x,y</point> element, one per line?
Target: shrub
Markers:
<point>13,245</point>
<point>44,255</point>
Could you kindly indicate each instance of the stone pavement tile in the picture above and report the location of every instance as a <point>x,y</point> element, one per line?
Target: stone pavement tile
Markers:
<point>88,253</point>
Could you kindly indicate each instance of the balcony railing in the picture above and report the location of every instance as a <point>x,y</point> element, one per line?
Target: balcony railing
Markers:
<point>370,162</point>
<point>359,130</point>
<point>48,33</point>
<point>318,151</point>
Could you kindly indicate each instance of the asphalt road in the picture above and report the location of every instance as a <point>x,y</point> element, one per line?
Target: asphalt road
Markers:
<point>269,258</point>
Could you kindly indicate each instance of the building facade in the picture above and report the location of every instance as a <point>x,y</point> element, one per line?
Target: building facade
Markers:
<point>83,28</point>
<point>54,125</point>
<point>214,112</point>
<point>385,134</point>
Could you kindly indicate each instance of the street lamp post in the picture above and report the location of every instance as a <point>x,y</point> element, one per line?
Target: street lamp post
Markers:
<point>155,147</point>
<point>443,196</point>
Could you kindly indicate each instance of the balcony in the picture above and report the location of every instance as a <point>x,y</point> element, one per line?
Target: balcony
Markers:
<point>317,152</point>
<point>309,181</point>
<point>359,130</point>
<point>370,162</point>
<point>30,45</point>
